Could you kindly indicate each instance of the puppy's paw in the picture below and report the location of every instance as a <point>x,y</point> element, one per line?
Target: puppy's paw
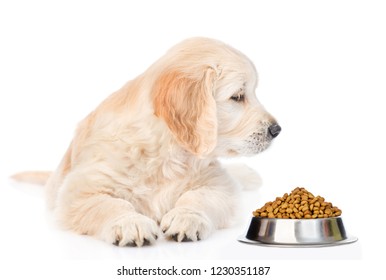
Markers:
<point>182,224</point>
<point>131,230</point>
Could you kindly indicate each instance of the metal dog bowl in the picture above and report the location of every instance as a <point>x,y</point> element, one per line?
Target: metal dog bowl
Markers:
<point>297,232</point>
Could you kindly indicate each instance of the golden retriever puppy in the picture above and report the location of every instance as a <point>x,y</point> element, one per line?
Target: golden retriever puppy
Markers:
<point>146,159</point>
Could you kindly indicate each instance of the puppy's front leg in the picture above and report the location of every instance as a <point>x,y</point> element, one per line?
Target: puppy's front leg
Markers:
<point>198,212</point>
<point>94,211</point>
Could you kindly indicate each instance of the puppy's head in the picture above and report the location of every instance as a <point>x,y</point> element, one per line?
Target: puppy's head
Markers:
<point>205,92</point>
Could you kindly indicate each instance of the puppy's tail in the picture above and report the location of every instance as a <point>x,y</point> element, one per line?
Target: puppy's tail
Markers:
<point>245,176</point>
<point>33,177</point>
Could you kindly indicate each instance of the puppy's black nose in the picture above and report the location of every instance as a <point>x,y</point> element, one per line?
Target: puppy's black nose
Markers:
<point>274,130</point>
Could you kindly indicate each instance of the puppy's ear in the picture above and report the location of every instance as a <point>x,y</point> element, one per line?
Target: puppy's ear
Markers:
<point>187,105</point>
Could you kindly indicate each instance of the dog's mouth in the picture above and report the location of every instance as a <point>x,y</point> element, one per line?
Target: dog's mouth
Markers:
<point>260,140</point>
<point>257,142</point>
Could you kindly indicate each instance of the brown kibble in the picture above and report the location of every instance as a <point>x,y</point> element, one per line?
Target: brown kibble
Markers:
<point>299,204</point>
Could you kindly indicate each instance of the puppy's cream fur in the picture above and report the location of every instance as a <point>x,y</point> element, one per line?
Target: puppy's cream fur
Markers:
<point>145,159</point>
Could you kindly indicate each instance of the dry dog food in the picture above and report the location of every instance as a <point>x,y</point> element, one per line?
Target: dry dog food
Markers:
<point>299,204</point>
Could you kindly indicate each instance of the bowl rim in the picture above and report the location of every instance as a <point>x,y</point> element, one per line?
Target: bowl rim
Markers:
<point>303,219</point>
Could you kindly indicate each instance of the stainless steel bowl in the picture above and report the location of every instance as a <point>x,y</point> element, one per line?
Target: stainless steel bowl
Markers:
<point>297,232</point>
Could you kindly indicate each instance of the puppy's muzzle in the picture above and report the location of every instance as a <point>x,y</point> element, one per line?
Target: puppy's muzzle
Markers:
<point>274,130</point>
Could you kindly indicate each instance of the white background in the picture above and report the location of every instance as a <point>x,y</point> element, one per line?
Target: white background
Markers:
<point>322,69</point>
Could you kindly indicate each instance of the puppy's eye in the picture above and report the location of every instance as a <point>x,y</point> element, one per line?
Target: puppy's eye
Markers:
<point>238,97</point>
